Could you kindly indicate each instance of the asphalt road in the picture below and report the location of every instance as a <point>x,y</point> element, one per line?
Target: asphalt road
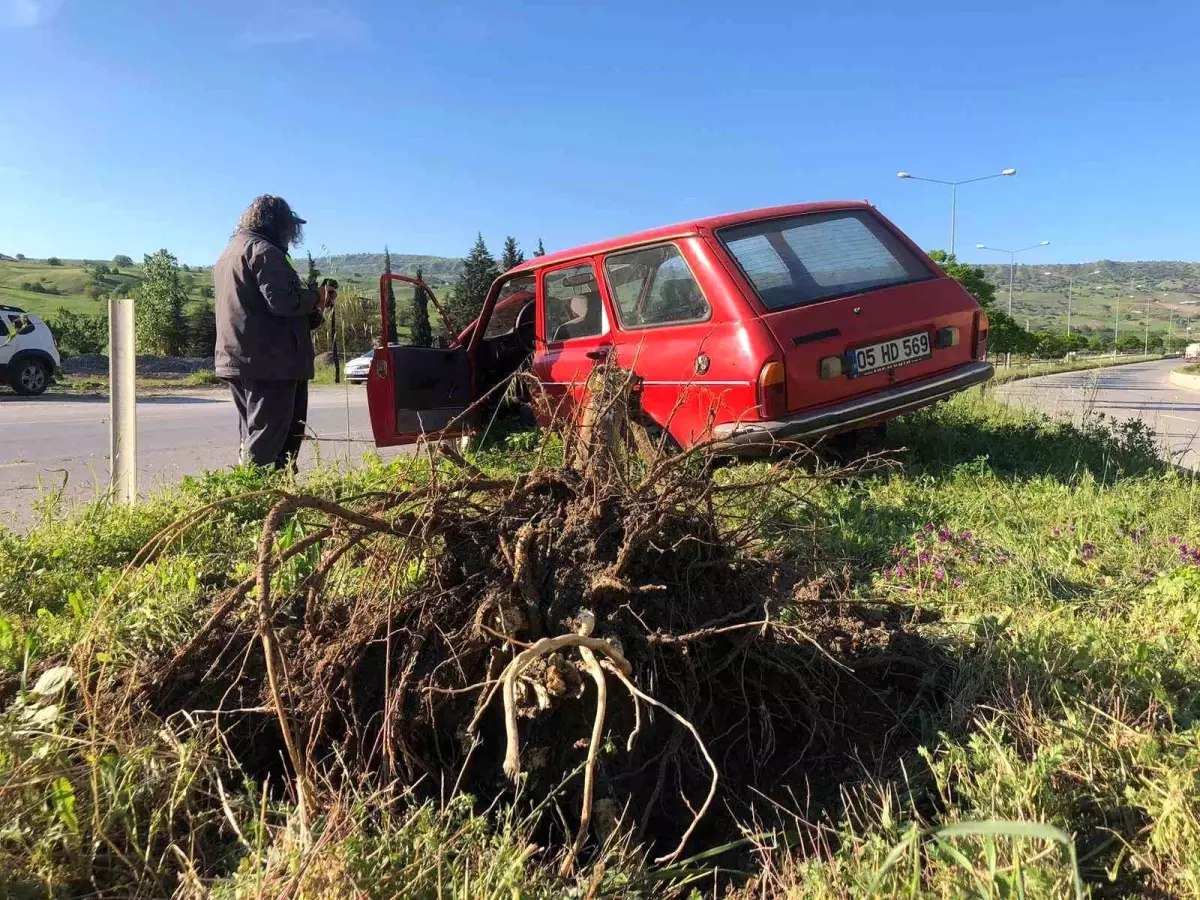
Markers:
<point>1141,390</point>
<point>46,439</point>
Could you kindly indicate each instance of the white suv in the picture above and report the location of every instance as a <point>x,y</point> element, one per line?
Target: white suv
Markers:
<point>28,355</point>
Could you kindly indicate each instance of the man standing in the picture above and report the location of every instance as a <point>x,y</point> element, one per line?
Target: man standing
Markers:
<point>264,346</point>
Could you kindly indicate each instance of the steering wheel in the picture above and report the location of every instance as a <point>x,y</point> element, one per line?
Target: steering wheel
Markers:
<point>523,328</point>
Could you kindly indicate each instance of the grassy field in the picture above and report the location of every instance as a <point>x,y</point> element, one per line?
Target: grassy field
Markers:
<point>65,285</point>
<point>1052,569</point>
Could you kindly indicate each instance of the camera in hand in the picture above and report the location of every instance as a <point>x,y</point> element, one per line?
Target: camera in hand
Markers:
<point>329,287</point>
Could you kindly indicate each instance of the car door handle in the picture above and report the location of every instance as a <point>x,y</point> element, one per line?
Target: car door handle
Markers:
<point>600,352</point>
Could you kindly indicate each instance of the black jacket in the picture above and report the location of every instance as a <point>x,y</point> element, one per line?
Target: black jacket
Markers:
<point>264,313</point>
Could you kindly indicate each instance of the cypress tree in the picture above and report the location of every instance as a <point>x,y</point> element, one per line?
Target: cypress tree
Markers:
<point>422,333</point>
<point>391,299</point>
<point>512,256</point>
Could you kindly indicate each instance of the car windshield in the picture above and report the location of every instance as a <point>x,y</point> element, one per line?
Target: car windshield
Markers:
<point>806,259</point>
<point>515,295</point>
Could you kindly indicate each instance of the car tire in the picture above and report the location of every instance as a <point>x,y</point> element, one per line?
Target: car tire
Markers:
<point>30,378</point>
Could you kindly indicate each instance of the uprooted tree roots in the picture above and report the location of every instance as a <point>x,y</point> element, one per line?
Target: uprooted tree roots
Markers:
<point>446,634</point>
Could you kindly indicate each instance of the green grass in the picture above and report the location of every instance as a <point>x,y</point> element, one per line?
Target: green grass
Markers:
<point>1031,369</point>
<point>1054,565</point>
<point>98,384</point>
<point>1193,369</point>
<point>70,280</point>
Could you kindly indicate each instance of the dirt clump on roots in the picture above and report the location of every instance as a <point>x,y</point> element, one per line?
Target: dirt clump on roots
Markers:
<point>613,629</point>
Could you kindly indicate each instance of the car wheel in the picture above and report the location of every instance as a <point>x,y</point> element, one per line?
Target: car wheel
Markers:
<point>31,378</point>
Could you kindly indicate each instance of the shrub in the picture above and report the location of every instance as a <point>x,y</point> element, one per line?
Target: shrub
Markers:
<point>79,333</point>
<point>54,261</point>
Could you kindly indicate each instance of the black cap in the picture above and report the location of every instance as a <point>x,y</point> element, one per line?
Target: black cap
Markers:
<point>298,220</point>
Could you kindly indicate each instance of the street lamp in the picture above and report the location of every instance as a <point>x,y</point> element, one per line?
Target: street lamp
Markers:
<point>1012,262</point>
<point>1070,280</point>
<point>954,192</point>
<point>1117,320</point>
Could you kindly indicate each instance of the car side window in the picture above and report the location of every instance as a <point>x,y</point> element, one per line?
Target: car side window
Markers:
<point>654,286</point>
<point>572,307</point>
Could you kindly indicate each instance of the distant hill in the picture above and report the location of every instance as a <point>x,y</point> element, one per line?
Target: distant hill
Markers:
<point>435,269</point>
<point>1171,287</point>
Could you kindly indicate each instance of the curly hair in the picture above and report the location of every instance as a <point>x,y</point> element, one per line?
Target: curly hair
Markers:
<point>272,216</point>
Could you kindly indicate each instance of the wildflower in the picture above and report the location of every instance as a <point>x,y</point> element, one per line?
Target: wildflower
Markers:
<point>1071,528</point>
<point>945,535</point>
<point>958,581</point>
<point>923,557</point>
<point>966,535</point>
<point>929,528</point>
<point>1172,540</point>
<point>1087,551</point>
<point>898,571</point>
<point>1057,532</point>
<point>939,573</point>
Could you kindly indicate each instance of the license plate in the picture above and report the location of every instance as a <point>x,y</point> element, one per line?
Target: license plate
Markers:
<point>889,354</point>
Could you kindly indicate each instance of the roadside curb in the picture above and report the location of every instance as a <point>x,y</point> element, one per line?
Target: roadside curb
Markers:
<point>1183,380</point>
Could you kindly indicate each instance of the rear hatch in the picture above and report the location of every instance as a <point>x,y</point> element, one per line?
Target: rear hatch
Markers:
<point>853,307</point>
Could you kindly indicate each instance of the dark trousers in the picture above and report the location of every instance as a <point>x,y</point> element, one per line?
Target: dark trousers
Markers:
<point>271,420</point>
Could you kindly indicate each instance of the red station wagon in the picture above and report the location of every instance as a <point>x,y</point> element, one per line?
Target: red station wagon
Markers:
<point>780,324</point>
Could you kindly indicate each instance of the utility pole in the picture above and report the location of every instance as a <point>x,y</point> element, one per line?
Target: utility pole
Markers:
<point>122,460</point>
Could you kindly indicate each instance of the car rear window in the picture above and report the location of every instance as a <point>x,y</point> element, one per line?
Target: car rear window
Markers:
<point>806,259</point>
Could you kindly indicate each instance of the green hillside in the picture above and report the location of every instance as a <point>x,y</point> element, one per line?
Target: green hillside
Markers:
<point>38,287</point>
<point>1168,292</point>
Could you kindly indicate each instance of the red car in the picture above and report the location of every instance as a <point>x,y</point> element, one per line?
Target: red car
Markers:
<point>749,328</point>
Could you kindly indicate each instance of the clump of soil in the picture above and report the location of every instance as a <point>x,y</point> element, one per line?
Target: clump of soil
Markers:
<point>391,657</point>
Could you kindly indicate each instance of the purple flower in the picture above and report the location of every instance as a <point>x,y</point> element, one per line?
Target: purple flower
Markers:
<point>975,558</point>
<point>1172,540</point>
<point>958,582</point>
<point>1087,551</point>
<point>966,535</point>
<point>928,527</point>
<point>923,557</point>
<point>1057,532</point>
<point>945,535</point>
<point>1071,528</point>
<point>939,573</point>
<point>898,571</point>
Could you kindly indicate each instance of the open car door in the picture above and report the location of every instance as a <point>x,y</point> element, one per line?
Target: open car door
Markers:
<point>418,392</point>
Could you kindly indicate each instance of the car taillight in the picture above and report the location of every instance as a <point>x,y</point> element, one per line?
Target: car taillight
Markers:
<point>979,345</point>
<point>772,391</point>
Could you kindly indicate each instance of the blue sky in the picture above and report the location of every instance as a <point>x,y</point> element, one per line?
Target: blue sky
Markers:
<point>130,125</point>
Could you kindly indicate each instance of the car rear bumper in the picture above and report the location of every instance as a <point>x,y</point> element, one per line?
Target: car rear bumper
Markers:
<point>882,405</point>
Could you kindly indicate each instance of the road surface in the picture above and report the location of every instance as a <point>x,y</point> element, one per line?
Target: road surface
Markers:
<point>1140,390</point>
<point>46,439</point>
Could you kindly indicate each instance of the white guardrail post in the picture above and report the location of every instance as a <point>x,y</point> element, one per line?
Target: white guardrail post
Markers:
<point>122,401</point>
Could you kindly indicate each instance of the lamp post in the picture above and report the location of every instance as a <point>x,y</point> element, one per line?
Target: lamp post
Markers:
<point>1070,280</point>
<point>1012,263</point>
<point>954,192</point>
<point>1117,321</point>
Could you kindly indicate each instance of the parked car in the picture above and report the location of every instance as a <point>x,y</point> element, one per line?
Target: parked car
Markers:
<point>747,329</point>
<point>357,369</point>
<point>29,358</point>
<point>1192,353</point>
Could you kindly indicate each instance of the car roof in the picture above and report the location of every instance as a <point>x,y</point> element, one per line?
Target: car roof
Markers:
<point>684,229</point>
